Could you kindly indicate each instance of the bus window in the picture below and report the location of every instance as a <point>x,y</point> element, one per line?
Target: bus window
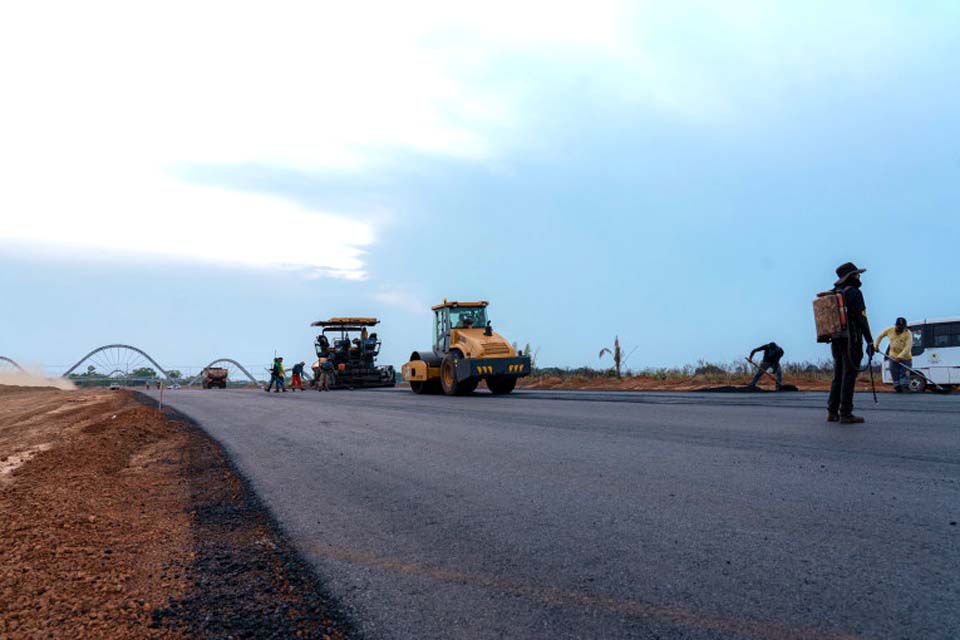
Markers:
<point>946,335</point>
<point>917,341</point>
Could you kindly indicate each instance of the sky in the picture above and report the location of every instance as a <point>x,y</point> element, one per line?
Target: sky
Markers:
<point>203,180</point>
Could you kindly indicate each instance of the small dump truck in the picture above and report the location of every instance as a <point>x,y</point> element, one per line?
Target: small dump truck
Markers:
<point>466,350</point>
<point>214,377</point>
<point>353,350</point>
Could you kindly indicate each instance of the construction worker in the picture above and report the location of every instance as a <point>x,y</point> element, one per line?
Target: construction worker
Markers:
<point>273,375</point>
<point>322,346</point>
<point>772,352</point>
<point>848,351</point>
<point>326,374</point>
<point>296,378</point>
<point>276,376</point>
<point>369,349</point>
<point>899,351</point>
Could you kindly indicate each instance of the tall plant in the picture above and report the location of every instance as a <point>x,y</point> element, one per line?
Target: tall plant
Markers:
<point>533,353</point>
<point>615,353</point>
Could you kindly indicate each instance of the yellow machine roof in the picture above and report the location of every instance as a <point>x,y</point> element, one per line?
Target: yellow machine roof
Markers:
<point>353,322</point>
<point>454,303</point>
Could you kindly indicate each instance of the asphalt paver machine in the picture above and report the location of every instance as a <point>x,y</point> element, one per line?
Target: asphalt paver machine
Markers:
<point>352,348</point>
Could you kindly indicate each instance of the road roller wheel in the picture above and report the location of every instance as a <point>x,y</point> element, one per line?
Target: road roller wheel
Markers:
<point>501,385</point>
<point>448,374</point>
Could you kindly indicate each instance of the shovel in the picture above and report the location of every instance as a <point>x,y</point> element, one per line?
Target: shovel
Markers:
<point>926,380</point>
<point>783,387</point>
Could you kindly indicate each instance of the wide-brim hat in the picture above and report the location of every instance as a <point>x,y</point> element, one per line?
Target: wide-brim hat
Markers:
<point>844,272</point>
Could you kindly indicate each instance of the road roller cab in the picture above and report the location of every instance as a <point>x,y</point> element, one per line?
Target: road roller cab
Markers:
<point>465,351</point>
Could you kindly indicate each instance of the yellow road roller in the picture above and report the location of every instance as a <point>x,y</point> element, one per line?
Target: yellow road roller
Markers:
<point>465,351</point>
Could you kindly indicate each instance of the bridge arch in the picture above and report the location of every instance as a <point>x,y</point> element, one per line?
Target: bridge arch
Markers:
<point>119,347</point>
<point>13,362</point>
<point>239,366</point>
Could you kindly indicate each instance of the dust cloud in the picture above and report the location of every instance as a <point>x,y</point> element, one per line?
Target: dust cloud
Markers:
<point>33,377</point>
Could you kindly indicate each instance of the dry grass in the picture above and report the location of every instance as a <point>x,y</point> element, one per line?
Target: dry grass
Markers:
<point>805,375</point>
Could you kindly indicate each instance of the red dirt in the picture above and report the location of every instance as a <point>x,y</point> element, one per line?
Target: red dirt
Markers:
<point>107,529</point>
<point>85,552</point>
<point>679,383</point>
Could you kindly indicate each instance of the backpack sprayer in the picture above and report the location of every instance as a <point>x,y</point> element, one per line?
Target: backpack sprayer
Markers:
<point>830,315</point>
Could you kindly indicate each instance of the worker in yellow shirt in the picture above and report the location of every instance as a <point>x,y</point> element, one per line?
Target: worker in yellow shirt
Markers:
<point>899,351</point>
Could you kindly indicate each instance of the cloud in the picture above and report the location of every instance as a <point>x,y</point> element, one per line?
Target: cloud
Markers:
<point>142,216</point>
<point>324,84</point>
<point>110,98</point>
<point>301,84</point>
<point>103,99</point>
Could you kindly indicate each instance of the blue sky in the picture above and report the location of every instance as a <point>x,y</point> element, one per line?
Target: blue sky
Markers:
<point>683,175</point>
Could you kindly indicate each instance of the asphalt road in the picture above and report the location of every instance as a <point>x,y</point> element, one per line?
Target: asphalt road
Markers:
<point>611,515</point>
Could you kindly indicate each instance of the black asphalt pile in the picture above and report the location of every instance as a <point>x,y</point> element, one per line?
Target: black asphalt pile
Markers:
<point>735,389</point>
<point>245,579</point>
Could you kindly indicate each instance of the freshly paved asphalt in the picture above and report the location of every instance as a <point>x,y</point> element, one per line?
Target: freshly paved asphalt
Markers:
<point>611,515</point>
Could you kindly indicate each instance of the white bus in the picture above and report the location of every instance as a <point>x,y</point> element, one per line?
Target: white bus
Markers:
<point>936,353</point>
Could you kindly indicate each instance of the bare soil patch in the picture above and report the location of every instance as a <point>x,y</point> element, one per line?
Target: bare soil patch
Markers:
<point>121,523</point>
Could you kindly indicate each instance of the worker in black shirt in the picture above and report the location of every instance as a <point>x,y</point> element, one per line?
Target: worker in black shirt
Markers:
<point>771,362</point>
<point>848,350</point>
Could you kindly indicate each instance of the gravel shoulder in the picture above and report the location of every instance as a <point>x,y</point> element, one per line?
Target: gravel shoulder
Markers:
<point>122,523</point>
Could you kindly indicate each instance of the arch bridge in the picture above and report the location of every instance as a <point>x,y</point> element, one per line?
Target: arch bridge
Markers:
<point>122,360</point>
<point>117,358</point>
<point>13,362</point>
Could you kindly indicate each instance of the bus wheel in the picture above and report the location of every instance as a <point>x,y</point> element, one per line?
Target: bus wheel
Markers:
<point>917,384</point>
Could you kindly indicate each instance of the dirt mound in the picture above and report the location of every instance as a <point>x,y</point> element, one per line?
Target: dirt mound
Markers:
<point>6,389</point>
<point>108,533</point>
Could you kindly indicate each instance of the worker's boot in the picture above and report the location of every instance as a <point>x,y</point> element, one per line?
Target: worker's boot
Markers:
<point>833,417</point>
<point>851,419</point>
